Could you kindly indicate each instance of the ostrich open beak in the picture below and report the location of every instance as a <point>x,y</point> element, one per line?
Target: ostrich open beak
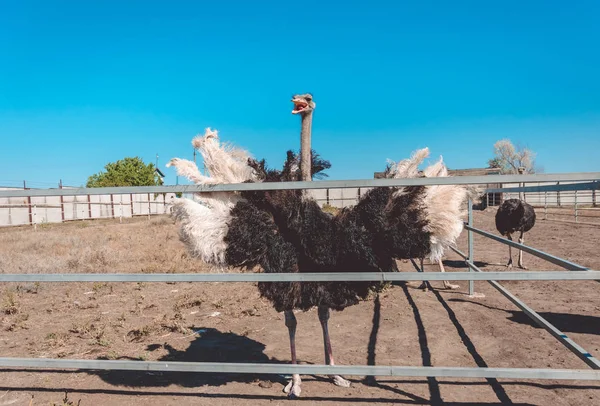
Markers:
<point>299,106</point>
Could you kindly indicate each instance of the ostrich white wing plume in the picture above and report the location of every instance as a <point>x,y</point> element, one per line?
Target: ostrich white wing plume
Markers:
<point>203,228</point>
<point>225,162</point>
<point>445,207</point>
<point>189,170</point>
<point>408,168</point>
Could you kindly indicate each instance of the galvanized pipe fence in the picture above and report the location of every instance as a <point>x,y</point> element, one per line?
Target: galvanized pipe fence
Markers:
<point>587,181</point>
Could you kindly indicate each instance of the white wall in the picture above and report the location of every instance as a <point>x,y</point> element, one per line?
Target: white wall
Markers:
<point>48,209</point>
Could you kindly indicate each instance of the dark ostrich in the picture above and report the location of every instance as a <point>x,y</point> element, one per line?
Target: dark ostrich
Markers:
<point>284,231</point>
<point>512,216</point>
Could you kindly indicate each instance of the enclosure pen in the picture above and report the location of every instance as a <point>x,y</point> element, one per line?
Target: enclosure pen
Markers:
<point>585,182</point>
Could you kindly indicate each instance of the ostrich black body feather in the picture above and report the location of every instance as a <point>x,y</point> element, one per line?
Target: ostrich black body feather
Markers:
<point>286,231</point>
<point>513,216</point>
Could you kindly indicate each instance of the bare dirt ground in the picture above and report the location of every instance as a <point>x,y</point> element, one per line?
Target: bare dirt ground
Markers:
<point>228,322</point>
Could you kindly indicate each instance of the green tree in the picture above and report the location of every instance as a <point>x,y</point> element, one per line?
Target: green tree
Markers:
<point>126,172</point>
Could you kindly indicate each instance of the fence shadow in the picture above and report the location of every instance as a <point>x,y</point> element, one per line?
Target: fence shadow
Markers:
<point>565,322</point>
<point>496,386</point>
<point>432,382</point>
<point>456,263</point>
<point>212,345</point>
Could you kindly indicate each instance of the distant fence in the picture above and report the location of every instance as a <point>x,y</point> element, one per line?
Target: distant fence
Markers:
<point>56,209</point>
<point>32,210</point>
<point>569,198</point>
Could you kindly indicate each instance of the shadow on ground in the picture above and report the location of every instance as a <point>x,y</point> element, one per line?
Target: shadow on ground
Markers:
<point>566,322</point>
<point>211,345</point>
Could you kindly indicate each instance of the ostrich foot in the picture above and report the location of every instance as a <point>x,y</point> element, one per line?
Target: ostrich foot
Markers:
<point>523,267</point>
<point>293,387</point>
<point>339,381</point>
<point>509,265</point>
<point>448,285</point>
<point>424,286</point>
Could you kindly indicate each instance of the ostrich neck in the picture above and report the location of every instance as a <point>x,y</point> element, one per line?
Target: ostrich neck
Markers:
<point>305,143</point>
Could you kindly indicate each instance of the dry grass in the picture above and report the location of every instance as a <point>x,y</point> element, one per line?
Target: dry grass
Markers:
<point>230,322</point>
<point>140,245</point>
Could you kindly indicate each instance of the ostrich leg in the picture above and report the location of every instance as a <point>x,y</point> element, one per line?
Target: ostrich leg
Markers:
<point>447,284</point>
<point>323,318</point>
<point>293,387</point>
<point>520,263</point>
<point>509,265</point>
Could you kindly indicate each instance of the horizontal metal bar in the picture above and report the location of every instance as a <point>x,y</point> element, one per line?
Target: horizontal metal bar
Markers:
<point>245,368</point>
<point>547,188</point>
<point>301,277</point>
<point>323,184</point>
<point>540,254</point>
<point>575,348</point>
<point>51,206</point>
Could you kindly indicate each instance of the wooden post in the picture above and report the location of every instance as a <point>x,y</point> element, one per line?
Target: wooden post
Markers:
<point>112,205</point>
<point>545,205</point>
<point>89,206</point>
<point>594,197</point>
<point>34,217</point>
<point>121,210</point>
<point>558,196</point>
<point>62,203</point>
<point>148,206</point>
<point>576,217</point>
<point>28,204</point>
<point>131,202</point>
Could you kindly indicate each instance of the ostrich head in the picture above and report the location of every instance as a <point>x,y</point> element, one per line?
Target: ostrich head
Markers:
<point>303,104</point>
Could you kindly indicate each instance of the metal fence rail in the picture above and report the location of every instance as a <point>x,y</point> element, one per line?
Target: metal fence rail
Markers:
<point>540,254</point>
<point>324,184</point>
<point>575,348</point>
<point>258,368</point>
<point>301,277</point>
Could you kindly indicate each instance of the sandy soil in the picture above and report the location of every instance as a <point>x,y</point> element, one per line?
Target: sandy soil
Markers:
<point>230,323</point>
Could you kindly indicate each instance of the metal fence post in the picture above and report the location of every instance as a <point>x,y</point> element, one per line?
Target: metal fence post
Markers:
<point>470,243</point>
<point>545,205</point>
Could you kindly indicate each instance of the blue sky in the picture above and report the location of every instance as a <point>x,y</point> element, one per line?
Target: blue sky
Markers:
<point>86,83</point>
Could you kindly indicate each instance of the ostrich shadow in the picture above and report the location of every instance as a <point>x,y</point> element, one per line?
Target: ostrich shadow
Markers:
<point>565,322</point>
<point>211,345</point>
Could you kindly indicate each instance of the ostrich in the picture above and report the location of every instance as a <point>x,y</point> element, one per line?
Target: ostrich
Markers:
<point>304,105</point>
<point>515,215</point>
<point>286,231</point>
<point>446,210</point>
